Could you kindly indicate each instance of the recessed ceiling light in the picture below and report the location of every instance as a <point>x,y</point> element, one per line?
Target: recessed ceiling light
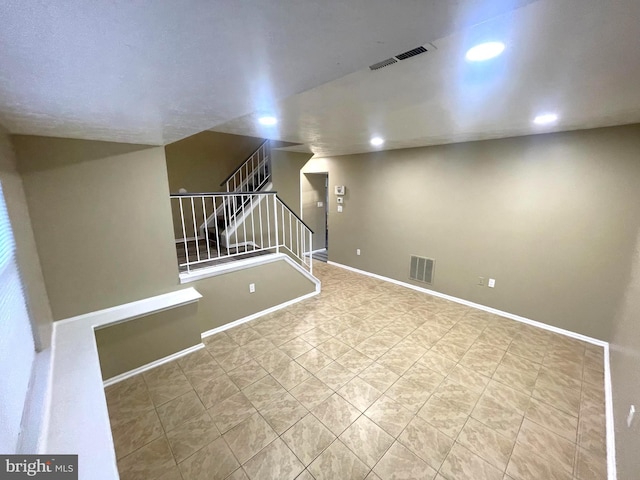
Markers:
<point>485,51</point>
<point>377,141</point>
<point>268,121</point>
<point>545,119</point>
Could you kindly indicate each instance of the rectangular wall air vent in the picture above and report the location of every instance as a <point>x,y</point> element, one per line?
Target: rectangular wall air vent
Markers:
<point>384,63</point>
<point>421,269</point>
<point>411,53</point>
<point>403,56</point>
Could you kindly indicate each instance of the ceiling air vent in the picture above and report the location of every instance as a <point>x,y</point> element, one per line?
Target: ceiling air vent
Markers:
<point>384,63</point>
<point>411,53</point>
<point>403,56</point>
<point>421,269</point>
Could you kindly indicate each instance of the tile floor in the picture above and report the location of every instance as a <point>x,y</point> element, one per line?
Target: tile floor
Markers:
<point>368,380</point>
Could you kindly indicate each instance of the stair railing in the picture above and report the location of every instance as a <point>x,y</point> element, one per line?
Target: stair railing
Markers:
<point>251,175</point>
<point>257,166</point>
<point>246,224</point>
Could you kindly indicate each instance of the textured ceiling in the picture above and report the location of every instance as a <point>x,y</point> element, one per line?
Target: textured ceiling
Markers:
<point>578,58</point>
<point>156,71</point>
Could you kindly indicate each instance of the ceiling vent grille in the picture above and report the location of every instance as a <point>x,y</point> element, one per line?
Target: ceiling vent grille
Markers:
<point>421,269</point>
<point>411,53</point>
<point>403,56</point>
<point>384,63</point>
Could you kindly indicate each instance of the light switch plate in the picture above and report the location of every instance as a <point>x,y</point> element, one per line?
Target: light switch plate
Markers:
<point>492,283</point>
<point>320,204</point>
<point>339,208</point>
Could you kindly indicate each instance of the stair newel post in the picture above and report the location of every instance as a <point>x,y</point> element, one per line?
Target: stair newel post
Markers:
<point>275,217</point>
<point>310,252</point>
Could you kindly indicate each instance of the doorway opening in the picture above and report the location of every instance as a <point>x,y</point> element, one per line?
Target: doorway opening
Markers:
<point>315,211</point>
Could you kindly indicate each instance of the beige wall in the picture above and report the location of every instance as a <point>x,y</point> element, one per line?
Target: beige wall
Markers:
<point>130,345</point>
<point>286,176</point>
<point>625,372</point>
<point>313,189</point>
<point>201,162</point>
<point>227,297</point>
<point>551,217</point>
<point>101,219</point>
<point>26,252</point>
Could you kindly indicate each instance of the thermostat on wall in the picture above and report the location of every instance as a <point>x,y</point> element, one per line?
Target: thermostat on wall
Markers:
<point>339,189</point>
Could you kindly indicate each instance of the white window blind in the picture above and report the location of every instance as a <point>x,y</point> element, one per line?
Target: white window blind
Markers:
<point>17,349</point>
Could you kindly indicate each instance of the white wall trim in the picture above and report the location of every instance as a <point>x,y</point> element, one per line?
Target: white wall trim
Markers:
<point>517,318</point>
<point>253,316</point>
<point>610,425</point>
<point>154,364</point>
<point>138,308</point>
<point>229,267</point>
<point>79,423</point>
<point>318,250</point>
<point>611,441</point>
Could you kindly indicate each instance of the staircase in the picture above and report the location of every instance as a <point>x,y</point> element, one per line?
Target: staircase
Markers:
<point>246,221</point>
<point>252,175</point>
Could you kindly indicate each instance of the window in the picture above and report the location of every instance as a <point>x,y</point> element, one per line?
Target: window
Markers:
<point>17,350</point>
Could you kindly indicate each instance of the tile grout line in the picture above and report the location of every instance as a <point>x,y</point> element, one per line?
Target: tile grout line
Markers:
<point>383,392</point>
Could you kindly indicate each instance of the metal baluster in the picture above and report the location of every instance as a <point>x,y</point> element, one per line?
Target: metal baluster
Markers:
<point>260,216</point>
<point>253,227</point>
<point>195,228</point>
<point>244,224</point>
<point>290,234</point>
<point>184,234</point>
<point>215,220</point>
<point>206,227</point>
<point>298,238</point>
<point>266,197</point>
<point>310,252</point>
<point>226,222</point>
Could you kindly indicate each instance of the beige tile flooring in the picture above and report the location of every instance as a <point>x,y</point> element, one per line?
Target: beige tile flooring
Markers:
<point>368,380</point>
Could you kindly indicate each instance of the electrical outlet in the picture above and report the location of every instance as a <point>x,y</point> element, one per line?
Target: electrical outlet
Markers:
<point>481,281</point>
<point>320,204</point>
<point>357,251</point>
<point>252,288</point>
<point>339,208</point>
<point>492,283</point>
<point>632,412</point>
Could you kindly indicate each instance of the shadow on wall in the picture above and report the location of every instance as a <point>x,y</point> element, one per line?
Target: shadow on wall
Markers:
<point>76,151</point>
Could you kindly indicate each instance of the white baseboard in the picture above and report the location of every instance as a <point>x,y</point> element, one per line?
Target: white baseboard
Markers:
<point>511,316</point>
<point>154,364</point>
<point>253,316</point>
<point>611,441</point>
